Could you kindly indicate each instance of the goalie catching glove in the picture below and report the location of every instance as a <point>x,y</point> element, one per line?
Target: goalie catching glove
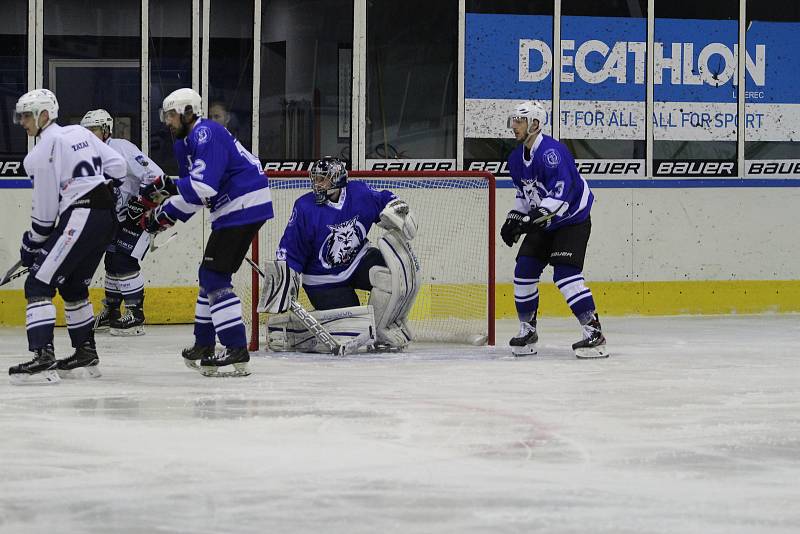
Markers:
<point>398,216</point>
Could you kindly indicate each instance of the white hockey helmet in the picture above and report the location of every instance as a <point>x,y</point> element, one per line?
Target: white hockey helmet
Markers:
<point>181,101</point>
<point>35,102</point>
<point>98,118</point>
<point>529,110</point>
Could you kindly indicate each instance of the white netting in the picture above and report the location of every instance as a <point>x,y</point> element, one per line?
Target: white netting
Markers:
<point>453,212</point>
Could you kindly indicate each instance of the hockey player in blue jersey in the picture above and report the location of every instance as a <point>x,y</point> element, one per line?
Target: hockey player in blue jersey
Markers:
<point>217,172</point>
<point>326,242</point>
<point>551,208</point>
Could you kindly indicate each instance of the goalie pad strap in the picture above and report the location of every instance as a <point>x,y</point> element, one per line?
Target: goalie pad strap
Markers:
<point>281,285</point>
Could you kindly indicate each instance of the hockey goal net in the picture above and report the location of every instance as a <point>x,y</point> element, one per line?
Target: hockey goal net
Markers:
<point>455,244</point>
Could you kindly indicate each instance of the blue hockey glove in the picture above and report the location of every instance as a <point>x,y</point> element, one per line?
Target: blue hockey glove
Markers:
<point>29,249</point>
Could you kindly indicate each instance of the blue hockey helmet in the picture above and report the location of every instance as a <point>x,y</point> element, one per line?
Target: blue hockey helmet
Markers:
<point>326,174</point>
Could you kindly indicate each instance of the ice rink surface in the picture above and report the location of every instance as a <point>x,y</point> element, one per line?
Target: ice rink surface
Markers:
<point>692,425</point>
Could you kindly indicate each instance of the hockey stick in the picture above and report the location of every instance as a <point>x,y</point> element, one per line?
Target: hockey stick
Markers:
<point>154,247</point>
<point>308,320</point>
<point>11,275</point>
<point>543,218</point>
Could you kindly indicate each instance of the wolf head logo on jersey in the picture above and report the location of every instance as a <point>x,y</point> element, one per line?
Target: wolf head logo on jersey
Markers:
<point>531,192</point>
<point>342,244</point>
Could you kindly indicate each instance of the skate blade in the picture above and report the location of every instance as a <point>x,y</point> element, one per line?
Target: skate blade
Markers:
<point>127,332</point>
<point>521,352</point>
<point>592,353</point>
<point>191,364</point>
<point>104,328</point>
<point>37,379</point>
<point>80,373</point>
<point>239,369</point>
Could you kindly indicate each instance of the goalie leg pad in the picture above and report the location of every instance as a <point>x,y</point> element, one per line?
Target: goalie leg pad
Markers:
<point>352,327</point>
<point>280,285</point>
<point>394,289</point>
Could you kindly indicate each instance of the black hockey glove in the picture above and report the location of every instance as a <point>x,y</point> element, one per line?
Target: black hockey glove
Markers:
<point>133,213</point>
<point>513,227</point>
<point>29,249</point>
<point>540,217</point>
<point>158,191</point>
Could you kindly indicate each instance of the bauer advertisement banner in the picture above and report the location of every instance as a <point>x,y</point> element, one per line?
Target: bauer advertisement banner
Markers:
<point>603,76</point>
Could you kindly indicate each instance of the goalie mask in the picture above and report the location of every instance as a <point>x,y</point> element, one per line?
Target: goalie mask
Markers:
<point>327,174</point>
<point>99,118</point>
<point>530,111</point>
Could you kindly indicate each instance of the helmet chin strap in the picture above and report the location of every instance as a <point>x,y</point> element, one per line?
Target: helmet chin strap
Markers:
<point>45,125</point>
<point>532,137</point>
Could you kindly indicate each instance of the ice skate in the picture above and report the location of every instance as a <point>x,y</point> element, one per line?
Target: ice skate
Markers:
<point>130,324</point>
<point>194,354</point>
<point>229,362</point>
<point>593,344</point>
<point>103,320</point>
<point>82,364</point>
<point>40,370</point>
<point>524,344</point>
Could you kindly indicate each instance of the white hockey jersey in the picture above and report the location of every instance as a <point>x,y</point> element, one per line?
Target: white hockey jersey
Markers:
<point>141,170</point>
<point>66,163</point>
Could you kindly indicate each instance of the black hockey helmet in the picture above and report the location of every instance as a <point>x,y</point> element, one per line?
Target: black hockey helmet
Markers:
<point>326,174</point>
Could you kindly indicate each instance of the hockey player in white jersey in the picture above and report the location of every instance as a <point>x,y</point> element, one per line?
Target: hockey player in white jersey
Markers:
<point>326,242</point>
<point>72,223</point>
<point>123,276</point>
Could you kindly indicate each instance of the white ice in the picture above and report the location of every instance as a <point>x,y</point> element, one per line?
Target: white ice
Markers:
<point>692,425</point>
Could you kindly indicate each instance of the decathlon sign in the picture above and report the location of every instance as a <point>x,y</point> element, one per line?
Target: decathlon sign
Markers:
<point>715,64</point>
<point>603,76</point>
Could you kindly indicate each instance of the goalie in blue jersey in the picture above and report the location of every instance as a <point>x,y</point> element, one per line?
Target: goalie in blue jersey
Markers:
<point>325,242</point>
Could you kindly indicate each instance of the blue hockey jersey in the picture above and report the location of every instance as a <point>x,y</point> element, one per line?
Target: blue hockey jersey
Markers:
<point>216,171</point>
<point>326,242</point>
<point>549,179</point>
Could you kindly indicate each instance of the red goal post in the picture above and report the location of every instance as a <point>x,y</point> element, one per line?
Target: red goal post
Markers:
<point>455,211</point>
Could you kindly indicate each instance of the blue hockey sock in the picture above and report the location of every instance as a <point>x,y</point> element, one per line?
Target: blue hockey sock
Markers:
<point>203,327</point>
<point>226,314</point>
<point>570,282</point>
<point>526,286</point>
